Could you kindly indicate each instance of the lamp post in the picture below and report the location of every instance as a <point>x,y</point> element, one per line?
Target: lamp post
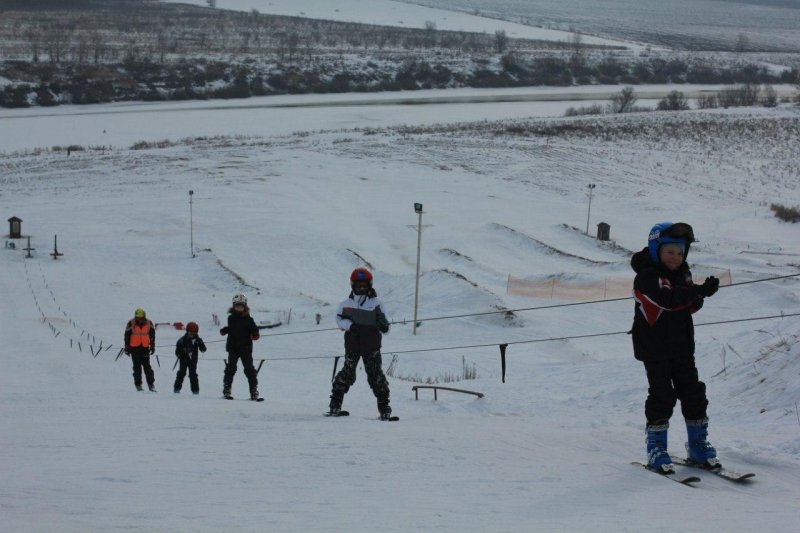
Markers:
<point>591,188</point>
<point>418,211</point>
<point>191,224</point>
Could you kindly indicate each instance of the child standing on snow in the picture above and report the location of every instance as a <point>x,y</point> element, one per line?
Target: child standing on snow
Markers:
<point>363,319</point>
<point>140,344</point>
<point>663,339</point>
<point>186,350</point>
<point>241,331</point>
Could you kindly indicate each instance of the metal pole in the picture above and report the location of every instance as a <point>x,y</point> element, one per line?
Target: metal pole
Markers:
<point>416,289</point>
<point>591,188</point>
<point>191,224</point>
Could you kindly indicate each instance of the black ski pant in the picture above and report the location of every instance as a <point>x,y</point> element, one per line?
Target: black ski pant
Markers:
<point>141,360</point>
<point>671,380</point>
<point>375,377</point>
<point>230,370</point>
<point>189,363</point>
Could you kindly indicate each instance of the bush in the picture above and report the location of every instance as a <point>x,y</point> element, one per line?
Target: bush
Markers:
<point>674,101</point>
<point>708,101</point>
<point>769,97</point>
<point>595,109</point>
<point>787,214</point>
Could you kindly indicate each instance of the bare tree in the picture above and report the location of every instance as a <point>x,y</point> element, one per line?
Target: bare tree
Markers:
<point>797,88</point>
<point>211,3</point>
<point>674,101</point>
<point>34,38</point>
<point>742,43</point>
<point>769,97</point>
<point>623,101</point>
<point>500,41</point>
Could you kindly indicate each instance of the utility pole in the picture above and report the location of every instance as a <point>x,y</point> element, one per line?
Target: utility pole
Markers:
<point>418,211</point>
<point>191,224</point>
<point>591,188</point>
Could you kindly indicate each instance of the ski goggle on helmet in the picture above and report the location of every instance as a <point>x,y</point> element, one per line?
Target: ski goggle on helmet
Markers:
<point>669,233</point>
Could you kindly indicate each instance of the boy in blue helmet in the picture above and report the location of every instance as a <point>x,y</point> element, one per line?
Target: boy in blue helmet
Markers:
<point>663,339</point>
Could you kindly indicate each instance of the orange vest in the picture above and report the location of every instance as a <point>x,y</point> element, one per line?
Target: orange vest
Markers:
<point>140,335</point>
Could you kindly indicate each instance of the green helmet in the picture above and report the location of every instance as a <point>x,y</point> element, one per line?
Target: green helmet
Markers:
<point>139,313</point>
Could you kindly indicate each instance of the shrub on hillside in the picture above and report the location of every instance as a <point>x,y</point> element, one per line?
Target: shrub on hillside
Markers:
<point>674,101</point>
<point>787,214</point>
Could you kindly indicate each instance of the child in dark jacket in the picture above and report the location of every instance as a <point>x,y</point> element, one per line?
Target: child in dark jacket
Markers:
<point>186,351</point>
<point>362,316</point>
<point>241,331</point>
<point>663,339</point>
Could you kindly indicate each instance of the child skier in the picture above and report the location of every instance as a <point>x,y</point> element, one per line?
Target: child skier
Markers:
<point>186,350</point>
<point>363,319</point>
<point>663,339</point>
<point>140,344</point>
<point>241,331</point>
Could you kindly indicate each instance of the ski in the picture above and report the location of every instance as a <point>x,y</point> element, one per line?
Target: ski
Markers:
<point>227,397</point>
<point>340,413</point>
<point>717,471</point>
<point>390,419</point>
<point>672,476</point>
<point>246,399</point>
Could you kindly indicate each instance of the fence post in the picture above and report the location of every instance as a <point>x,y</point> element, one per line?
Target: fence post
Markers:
<point>503,360</point>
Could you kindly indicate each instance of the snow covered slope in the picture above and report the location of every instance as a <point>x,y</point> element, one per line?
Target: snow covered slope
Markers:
<point>392,13</point>
<point>285,218</point>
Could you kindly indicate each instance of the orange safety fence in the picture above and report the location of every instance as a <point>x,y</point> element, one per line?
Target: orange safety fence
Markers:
<point>561,289</point>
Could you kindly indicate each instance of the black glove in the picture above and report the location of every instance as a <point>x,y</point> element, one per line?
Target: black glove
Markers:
<point>709,287</point>
<point>381,322</point>
<point>152,350</point>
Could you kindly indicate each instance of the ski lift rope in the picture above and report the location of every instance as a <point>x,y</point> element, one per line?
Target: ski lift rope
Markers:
<point>464,347</point>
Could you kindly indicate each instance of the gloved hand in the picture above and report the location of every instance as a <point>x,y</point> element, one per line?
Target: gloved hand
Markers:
<point>128,349</point>
<point>224,331</point>
<point>381,322</point>
<point>709,287</point>
<point>152,350</point>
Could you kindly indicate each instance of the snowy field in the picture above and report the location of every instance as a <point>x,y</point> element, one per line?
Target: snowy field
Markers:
<point>681,24</point>
<point>285,217</point>
<point>394,13</point>
<point>121,125</point>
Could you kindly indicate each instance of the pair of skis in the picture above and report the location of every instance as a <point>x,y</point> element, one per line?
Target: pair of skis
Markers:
<point>250,399</point>
<point>718,471</point>
<point>347,413</point>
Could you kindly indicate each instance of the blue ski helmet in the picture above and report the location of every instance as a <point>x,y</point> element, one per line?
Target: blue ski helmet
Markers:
<point>667,232</point>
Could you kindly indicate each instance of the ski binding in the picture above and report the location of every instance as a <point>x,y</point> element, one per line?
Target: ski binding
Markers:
<point>718,470</point>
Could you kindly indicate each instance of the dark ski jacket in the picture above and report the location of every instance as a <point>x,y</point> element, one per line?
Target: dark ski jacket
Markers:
<point>665,301</point>
<point>362,339</point>
<point>241,331</point>
<point>187,347</point>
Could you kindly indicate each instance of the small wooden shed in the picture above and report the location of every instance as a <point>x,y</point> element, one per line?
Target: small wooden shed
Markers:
<point>603,232</point>
<point>15,228</point>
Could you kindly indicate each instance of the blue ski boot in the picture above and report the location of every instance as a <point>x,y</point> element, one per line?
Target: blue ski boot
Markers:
<point>698,449</point>
<point>658,458</point>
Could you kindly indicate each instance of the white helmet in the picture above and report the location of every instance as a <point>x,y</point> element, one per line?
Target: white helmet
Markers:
<point>240,299</point>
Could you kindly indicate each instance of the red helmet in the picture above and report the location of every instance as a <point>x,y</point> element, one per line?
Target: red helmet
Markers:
<point>192,327</point>
<point>361,274</point>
